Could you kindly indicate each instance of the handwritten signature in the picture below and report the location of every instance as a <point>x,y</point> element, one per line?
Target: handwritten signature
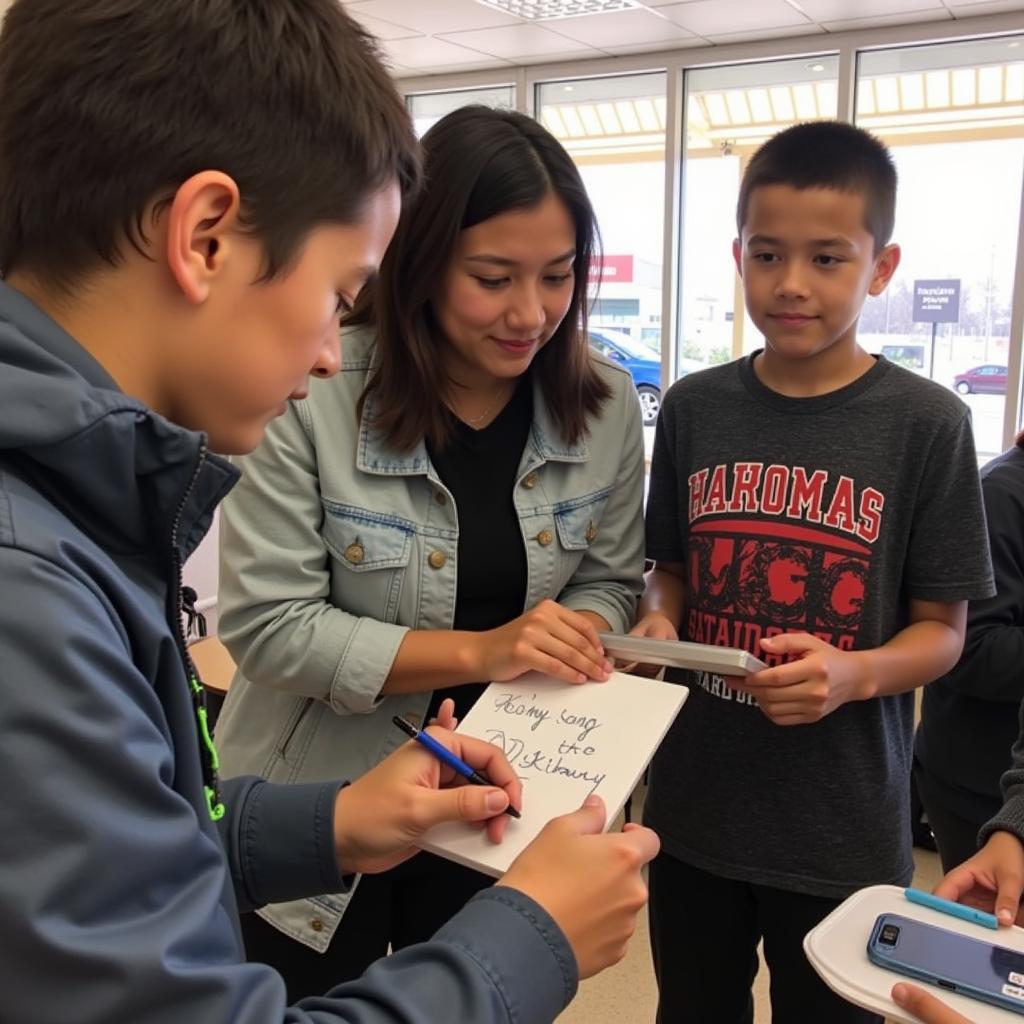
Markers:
<point>510,704</point>
<point>543,763</point>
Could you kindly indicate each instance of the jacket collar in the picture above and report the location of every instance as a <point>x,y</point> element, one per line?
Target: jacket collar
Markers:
<point>128,477</point>
<point>374,456</point>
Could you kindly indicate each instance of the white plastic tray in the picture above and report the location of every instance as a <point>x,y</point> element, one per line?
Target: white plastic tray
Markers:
<point>837,950</point>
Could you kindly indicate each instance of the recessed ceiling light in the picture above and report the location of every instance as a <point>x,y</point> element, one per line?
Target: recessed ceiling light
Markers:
<point>567,88</point>
<point>541,10</point>
<point>1014,44</point>
<point>816,66</point>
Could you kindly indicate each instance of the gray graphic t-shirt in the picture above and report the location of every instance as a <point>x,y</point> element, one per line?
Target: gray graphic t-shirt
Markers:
<point>823,515</point>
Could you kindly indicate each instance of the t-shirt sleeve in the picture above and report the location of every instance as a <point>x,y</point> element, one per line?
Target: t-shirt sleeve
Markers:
<point>666,514</point>
<point>948,556</point>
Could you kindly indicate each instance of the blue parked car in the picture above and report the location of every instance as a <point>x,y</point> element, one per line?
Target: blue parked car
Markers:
<point>643,363</point>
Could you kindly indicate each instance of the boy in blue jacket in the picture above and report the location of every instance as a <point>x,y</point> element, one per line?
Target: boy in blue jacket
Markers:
<point>192,191</point>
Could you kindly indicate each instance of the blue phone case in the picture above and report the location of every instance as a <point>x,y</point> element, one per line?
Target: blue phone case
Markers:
<point>958,963</point>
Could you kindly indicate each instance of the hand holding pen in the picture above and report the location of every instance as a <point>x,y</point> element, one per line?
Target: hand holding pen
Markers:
<point>446,757</point>
<point>380,818</point>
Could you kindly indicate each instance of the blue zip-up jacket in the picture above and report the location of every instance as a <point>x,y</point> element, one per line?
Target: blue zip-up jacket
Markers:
<point>119,896</point>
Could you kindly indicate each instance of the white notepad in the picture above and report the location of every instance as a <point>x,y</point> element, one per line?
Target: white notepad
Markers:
<point>565,742</point>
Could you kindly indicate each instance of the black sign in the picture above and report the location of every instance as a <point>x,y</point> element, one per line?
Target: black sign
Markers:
<point>937,302</point>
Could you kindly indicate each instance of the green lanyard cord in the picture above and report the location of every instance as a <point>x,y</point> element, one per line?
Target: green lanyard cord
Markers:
<point>211,760</point>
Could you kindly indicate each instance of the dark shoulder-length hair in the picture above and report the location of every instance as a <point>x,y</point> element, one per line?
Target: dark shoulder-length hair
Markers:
<point>478,163</point>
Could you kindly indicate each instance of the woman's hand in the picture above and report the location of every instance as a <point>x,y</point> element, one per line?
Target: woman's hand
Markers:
<point>548,638</point>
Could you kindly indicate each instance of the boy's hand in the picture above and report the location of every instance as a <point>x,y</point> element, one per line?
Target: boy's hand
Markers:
<point>379,818</point>
<point>992,880</point>
<point>654,626</point>
<point>822,679</point>
<point>590,883</point>
<point>925,1006</point>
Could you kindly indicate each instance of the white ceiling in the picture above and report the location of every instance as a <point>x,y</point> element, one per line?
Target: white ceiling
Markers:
<point>425,37</point>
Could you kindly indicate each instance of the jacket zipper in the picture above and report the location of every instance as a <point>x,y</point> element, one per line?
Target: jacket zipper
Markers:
<point>207,750</point>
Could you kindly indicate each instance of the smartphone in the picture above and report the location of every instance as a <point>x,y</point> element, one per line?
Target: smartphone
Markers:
<point>958,963</point>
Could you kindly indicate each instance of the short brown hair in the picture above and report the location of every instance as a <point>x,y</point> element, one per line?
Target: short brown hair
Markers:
<point>828,154</point>
<point>477,163</point>
<point>109,105</point>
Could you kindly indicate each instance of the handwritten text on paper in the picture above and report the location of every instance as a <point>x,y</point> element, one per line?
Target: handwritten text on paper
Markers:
<point>576,756</point>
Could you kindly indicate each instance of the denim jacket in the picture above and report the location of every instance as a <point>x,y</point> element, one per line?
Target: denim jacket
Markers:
<point>333,546</point>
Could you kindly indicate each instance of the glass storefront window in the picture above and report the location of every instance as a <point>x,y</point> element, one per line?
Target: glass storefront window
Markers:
<point>614,129</point>
<point>730,112</point>
<point>428,108</point>
<point>953,116</point>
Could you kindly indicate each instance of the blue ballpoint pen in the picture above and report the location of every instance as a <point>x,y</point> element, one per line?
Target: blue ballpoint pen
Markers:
<point>443,754</point>
<point>927,899</point>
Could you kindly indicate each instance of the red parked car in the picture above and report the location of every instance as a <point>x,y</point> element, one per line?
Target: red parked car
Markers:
<point>988,379</point>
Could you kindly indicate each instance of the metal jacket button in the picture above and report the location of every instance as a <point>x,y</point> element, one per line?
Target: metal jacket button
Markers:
<point>530,481</point>
<point>437,559</point>
<point>545,537</point>
<point>355,553</point>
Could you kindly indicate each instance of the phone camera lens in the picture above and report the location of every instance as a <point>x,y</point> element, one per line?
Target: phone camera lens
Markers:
<point>890,935</point>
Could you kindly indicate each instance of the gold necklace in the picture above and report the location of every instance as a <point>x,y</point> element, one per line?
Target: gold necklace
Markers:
<point>472,421</point>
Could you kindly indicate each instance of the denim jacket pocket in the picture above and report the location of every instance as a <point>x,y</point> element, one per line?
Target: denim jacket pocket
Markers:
<point>579,521</point>
<point>294,738</point>
<point>370,553</point>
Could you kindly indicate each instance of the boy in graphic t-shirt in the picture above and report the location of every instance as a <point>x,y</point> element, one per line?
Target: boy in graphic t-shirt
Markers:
<point>820,508</point>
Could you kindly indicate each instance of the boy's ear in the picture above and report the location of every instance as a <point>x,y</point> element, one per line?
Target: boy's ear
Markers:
<point>200,220</point>
<point>737,255</point>
<point>886,263</point>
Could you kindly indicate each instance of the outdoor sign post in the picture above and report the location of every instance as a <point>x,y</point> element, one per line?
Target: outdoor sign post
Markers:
<point>936,302</point>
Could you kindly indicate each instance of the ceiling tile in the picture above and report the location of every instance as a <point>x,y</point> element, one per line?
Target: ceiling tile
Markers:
<point>561,58</point>
<point>437,16</point>
<point>381,29</point>
<point>717,17</point>
<point>847,10</point>
<point>881,20</point>
<point>518,42</point>
<point>426,52</point>
<point>619,28</point>
<point>973,10</point>
<point>677,44</point>
<point>725,38</point>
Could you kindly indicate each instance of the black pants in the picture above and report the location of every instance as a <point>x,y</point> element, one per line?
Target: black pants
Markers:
<point>704,935</point>
<point>398,908</point>
<point>955,818</point>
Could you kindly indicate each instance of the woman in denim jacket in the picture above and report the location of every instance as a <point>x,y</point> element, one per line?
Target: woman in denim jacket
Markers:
<point>461,503</point>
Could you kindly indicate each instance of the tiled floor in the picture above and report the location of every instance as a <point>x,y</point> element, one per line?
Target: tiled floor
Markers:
<point>625,994</point>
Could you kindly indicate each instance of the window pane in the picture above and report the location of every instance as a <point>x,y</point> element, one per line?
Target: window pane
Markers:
<point>614,129</point>
<point>953,115</point>
<point>429,107</point>
<point>730,112</point>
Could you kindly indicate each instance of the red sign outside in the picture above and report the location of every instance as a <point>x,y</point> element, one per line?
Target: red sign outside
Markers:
<point>612,269</point>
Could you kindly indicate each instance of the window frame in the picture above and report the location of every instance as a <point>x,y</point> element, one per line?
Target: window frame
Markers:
<point>847,46</point>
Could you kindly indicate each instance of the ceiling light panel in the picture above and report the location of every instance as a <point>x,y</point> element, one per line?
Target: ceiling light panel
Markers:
<point>542,10</point>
